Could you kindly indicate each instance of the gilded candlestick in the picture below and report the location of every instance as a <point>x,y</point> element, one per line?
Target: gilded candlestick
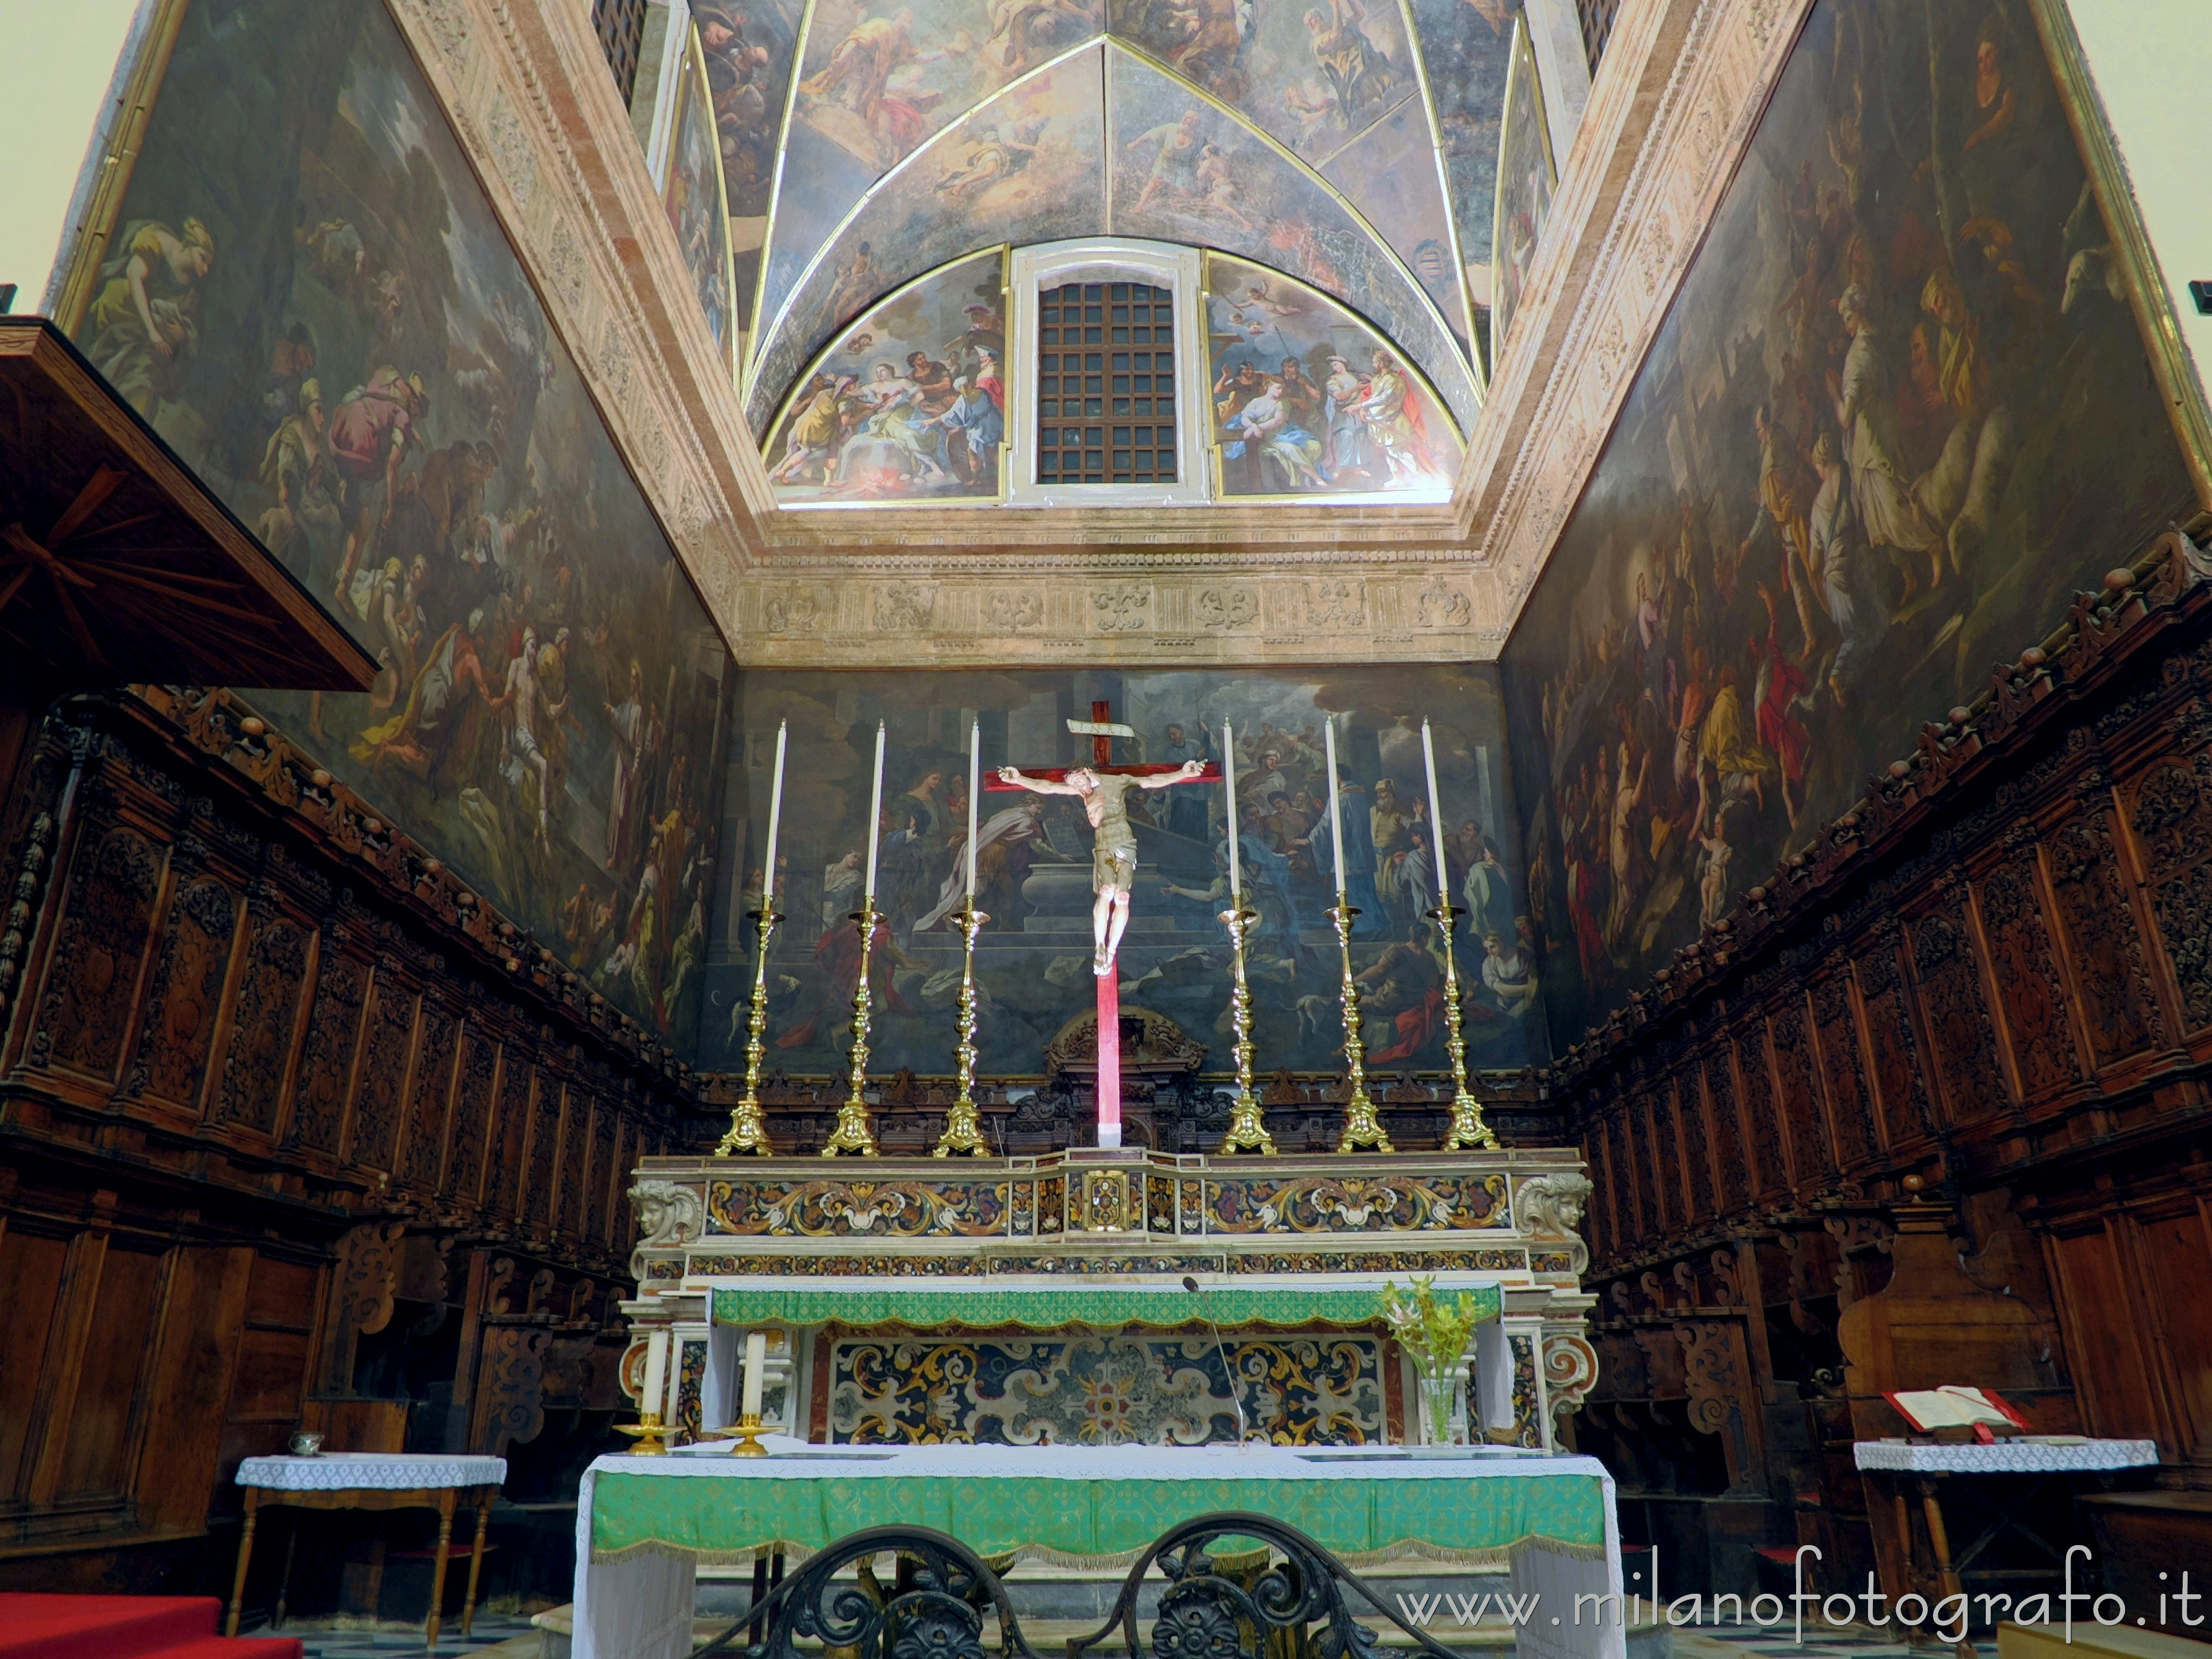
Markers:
<point>964,1133</point>
<point>1361,1126</point>
<point>1468,1132</point>
<point>1247,1125</point>
<point>645,1433</point>
<point>853,1133</point>
<point>748,1128</point>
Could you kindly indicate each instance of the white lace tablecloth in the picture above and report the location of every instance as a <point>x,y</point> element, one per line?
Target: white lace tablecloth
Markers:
<point>2024,1456</point>
<point>370,1471</point>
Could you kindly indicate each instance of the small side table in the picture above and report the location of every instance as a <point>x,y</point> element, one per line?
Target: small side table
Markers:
<point>375,1481</point>
<point>1897,1465</point>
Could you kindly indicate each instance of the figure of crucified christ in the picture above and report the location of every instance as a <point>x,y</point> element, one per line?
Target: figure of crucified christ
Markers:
<point>1114,861</point>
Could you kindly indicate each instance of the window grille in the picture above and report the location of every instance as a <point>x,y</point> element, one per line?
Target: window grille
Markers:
<point>1596,17</point>
<point>620,24</point>
<point>1105,390</point>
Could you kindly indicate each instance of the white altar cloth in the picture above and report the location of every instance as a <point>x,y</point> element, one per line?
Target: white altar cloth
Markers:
<point>639,1606</point>
<point>370,1472</point>
<point>2028,1455</point>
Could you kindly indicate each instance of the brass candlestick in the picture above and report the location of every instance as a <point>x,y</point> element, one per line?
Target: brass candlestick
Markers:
<point>853,1133</point>
<point>964,1133</point>
<point>1247,1125</point>
<point>748,1437</point>
<point>1468,1132</point>
<point>1361,1127</point>
<point>748,1129</point>
<point>645,1431</point>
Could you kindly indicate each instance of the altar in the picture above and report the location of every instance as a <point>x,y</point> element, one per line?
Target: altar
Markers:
<point>646,1524</point>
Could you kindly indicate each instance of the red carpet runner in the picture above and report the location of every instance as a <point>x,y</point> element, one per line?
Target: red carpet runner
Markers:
<point>126,1627</point>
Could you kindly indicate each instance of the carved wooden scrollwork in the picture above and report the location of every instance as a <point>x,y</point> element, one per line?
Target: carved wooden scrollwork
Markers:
<point>1951,994</point>
<point>1570,1369</point>
<point>2118,1003</point>
<point>261,1028</point>
<point>510,1384</point>
<point>366,1277</point>
<point>1722,1394</point>
<point>2033,999</point>
<point>96,965</point>
<point>2170,815</point>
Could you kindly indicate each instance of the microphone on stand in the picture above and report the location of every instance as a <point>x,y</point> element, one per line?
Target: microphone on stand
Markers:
<point>1236,1391</point>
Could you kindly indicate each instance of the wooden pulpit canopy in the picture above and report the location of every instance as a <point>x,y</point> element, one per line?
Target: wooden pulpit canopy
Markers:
<point>117,566</point>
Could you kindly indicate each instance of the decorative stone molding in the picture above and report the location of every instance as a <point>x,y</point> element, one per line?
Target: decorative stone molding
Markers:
<point>668,1218</point>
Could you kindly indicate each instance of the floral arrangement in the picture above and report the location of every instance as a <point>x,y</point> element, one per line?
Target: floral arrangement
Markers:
<point>1434,1331</point>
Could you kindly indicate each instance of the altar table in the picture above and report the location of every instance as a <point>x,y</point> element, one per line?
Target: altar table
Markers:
<point>645,1525</point>
<point>375,1481</point>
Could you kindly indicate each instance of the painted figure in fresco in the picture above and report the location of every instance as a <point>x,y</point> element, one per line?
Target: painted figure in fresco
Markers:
<point>978,425</point>
<point>1839,553</point>
<point>1784,493</point>
<point>859,281</point>
<point>857,77</point>
<point>1508,975</point>
<point>1347,434</point>
<point>1113,860</point>
<point>1027,32</point>
<point>1175,159</point>
<point>296,469</point>
<point>810,442</point>
<point>529,712</point>
<point>1393,418</point>
<point>1356,71</point>
<point>371,437</point>
<point>1264,427</point>
<point>1866,408</point>
<point>144,321</point>
<point>631,729</point>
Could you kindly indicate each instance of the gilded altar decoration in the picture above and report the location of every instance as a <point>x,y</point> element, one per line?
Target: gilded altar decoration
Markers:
<point>1140,1388</point>
<point>843,1209</point>
<point>1323,1204</point>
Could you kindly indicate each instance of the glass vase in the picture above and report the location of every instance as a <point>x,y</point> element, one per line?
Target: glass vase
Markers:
<point>1439,1394</point>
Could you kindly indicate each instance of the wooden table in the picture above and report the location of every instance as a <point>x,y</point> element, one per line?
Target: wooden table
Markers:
<point>1910,1469</point>
<point>374,1480</point>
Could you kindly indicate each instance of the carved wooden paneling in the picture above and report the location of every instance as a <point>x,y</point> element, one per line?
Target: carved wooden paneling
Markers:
<point>510,1377</point>
<point>472,1118</point>
<point>2029,990</point>
<point>2119,1005</point>
<point>94,972</point>
<point>318,1100</point>
<point>598,1161</point>
<point>430,1100</point>
<point>1651,1218</point>
<point>1665,1155</point>
<point>544,1155</point>
<point>1724,1398</point>
<point>1954,999</point>
<point>1756,1077</point>
<point>1835,1028</point>
<point>1735,1190</point>
<point>179,1031</point>
<point>263,1022</point>
<point>1815,1161</point>
<point>380,1099</point>
<point>1901,1087</point>
<point>2170,812</point>
<point>1697,1158</point>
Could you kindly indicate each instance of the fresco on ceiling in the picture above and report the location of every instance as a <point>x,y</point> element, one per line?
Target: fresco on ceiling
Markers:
<point>336,334</point>
<point>1466,47</point>
<point>1525,179</point>
<point>1315,76</point>
<point>909,403</point>
<point>695,199</point>
<point>1898,413</point>
<point>1034,859</point>
<point>878,80</point>
<point>1023,168</point>
<point>749,51</point>
<point>1184,171</point>
<point>1390,173</point>
<point>1309,400</point>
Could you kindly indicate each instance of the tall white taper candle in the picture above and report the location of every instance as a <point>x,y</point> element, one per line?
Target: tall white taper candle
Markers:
<point>775,817</point>
<point>875,810</point>
<point>1335,814</point>
<point>656,1370</point>
<point>1435,817</point>
<point>974,785</point>
<point>1229,780</point>
<point>755,1365</point>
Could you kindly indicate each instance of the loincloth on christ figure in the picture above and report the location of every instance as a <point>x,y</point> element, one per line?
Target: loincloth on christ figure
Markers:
<point>1114,856</point>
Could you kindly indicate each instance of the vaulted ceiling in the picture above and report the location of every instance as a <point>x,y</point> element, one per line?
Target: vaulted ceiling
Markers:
<point>1350,143</point>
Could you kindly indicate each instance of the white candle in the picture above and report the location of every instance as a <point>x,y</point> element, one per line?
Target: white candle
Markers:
<point>1435,817</point>
<point>775,817</point>
<point>1335,815</point>
<point>1228,778</point>
<point>656,1369</point>
<point>755,1365</point>
<point>875,809</point>
<point>974,785</point>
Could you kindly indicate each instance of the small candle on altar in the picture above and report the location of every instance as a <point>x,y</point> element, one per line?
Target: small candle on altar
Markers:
<point>775,817</point>
<point>656,1370</point>
<point>756,1364</point>
<point>974,786</point>
<point>875,810</point>
<point>1335,815</point>
<point>1229,780</point>
<point>1435,817</point>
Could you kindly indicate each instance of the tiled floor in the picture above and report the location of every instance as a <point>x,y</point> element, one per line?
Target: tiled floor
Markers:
<point>489,1631</point>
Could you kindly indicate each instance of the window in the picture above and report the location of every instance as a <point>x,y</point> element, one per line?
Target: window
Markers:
<point>620,24</point>
<point>1596,18</point>
<point>1105,387</point>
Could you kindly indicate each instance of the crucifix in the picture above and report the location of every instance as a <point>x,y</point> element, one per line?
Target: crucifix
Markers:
<point>1102,788</point>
